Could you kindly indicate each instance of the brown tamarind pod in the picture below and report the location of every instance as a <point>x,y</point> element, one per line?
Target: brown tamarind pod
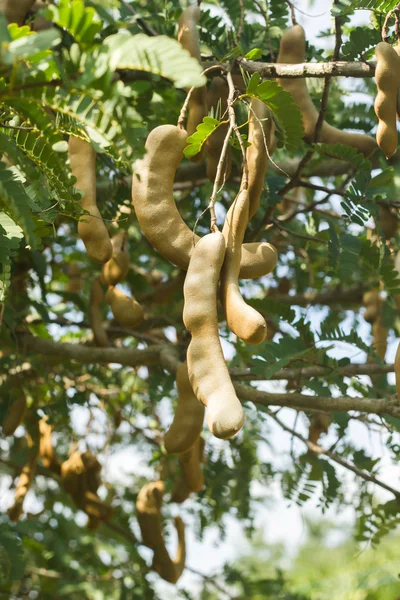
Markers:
<point>292,50</point>
<point>388,221</point>
<point>157,213</point>
<point>263,144</point>
<point>25,481</point>
<point>91,229</point>
<point>46,449</point>
<point>319,424</point>
<point>387,75</point>
<point>72,477</point>
<point>127,311</point>
<point>372,302</point>
<point>148,511</point>
<point>218,93</point>
<point>15,414</point>
<point>244,320</point>
<point>189,416</point>
<point>208,374</point>
<point>190,466</point>
<point>181,491</point>
<point>15,11</point>
<point>75,282</point>
<point>188,37</point>
<point>379,334</point>
<point>116,269</point>
<point>95,314</point>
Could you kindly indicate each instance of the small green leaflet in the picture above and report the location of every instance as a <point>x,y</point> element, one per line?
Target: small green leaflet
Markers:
<point>254,54</point>
<point>346,6</point>
<point>197,139</point>
<point>81,22</point>
<point>286,114</point>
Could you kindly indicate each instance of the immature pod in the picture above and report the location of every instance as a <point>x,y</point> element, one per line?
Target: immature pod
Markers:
<point>82,158</point>
<point>263,144</point>
<point>189,416</point>
<point>116,269</point>
<point>292,50</point>
<point>156,211</point>
<point>95,314</point>
<point>208,373</point>
<point>188,37</point>
<point>15,11</point>
<point>319,424</point>
<point>218,93</point>
<point>242,319</point>
<point>387,75</point>
<point>127,311</point>
<point>190,465</point>
<point>15,414</point>
<point>148,511</point>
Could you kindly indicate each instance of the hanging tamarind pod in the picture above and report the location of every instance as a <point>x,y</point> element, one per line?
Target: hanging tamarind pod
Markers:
<point>15,11</point>
<point>91,228</point>
<point>387,75</point>
<point>263,144</point>
<point>190,466</point>
<point>127,311</point>
<point>95,314</point>
<point>217,94</point>
<point>244,320</point>
<point>15,413</point>
<point>25,480</point>
<point>188,37</point>
<point>158,216</point>
<point>319,424</point>
<point>116,269</point>
<point>46,449</point>
<point>75,282</point>
<point>148,512</point>
<point>292,50</point>
<point>208,373</point>
<point>372,302</point>
<point>189,415</point>
<point>379,334</point>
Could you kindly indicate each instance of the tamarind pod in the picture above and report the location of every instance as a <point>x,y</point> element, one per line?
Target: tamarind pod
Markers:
<point>92,471</point>
<point>257,260</point>
<point>242,319</point>
<point>156,211</point>
<point>46,449</point>
<point>190,465</point>
<point>95,314</point>
<point>262,138</point>
<point>116,269</point>
<point>319,424</point>
<point>218,91</point>
<point>75,282</point>
<point>15,414</point>
<point>189,415</point>
<point>167,569</point>
<point>292,51</point>
<point>24,483</point>
<point>96,509</point>
<point>72,478</point>
<point>188,37</point>
<point>16,11</point>
<point>388,221</point>
<point>387,75</point>
<point>208,374</point>
<point>372,302</point>
<point>181,491</point>
<point>127,311</point>
<point>379,334</point>
<point>91,229</point>
<point>397,371</point>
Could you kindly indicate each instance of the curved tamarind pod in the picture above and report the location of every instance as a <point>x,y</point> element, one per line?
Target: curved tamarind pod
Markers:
<point>379,334</point>
<point>387,75</point>
<point>208,373</point>
<point>181,491</point>
<point>242,319</point>
<point>24,482</point>
<point>148,512</point>
<point>46,449</point>
<point>319,424</point>
<point>218,91</point>
<point>82,158</point>
<point>262,137</point>
<point>116,269</point>
<point>372,302</point>
<point>258,259</point>
<point>72,471</point>
<point>95,315</point>
<point>388,221</point>
<point>292,51</point>
<point>15,12</point>
<point>189,415</point>
<point>188,37</point>
<point>190,465</point>
<point>15,414</point>
<point>157,213</point>
<point>127,311</point>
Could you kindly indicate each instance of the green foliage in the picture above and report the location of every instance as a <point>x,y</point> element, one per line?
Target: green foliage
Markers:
<point>344,7</point>
<point>196,141</point>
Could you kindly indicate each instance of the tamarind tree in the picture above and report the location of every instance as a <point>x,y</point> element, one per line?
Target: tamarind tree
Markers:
<point>138,141</point>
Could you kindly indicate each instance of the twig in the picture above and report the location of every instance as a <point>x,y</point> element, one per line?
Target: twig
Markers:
<point>240,28</point>
<point>299,235</point>
<point>292,13</point>
<point>394,11</point>
<point>147,28</point>
<point>209,579</point>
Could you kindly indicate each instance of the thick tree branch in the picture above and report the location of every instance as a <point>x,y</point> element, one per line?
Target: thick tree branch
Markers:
<point>321,70</point>
<point>315,371</point>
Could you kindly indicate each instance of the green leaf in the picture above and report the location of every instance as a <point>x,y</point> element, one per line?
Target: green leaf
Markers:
<point>197,139</point>
<point>10,237</point>
<point>254,54</point>
<point>30,45</point>
<point>347,6</point>
<point>81,22</point>
<point>286,114</point>
<point>159,55</point>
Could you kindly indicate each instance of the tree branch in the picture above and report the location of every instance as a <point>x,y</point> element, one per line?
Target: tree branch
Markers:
<point>321,70</point>
<point>315,371</point>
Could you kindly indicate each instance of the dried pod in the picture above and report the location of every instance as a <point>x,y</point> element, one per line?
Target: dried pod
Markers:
<point>116,269</point>
<point>15,414</point>
<point>127,311</point>
<point>95,314</point>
